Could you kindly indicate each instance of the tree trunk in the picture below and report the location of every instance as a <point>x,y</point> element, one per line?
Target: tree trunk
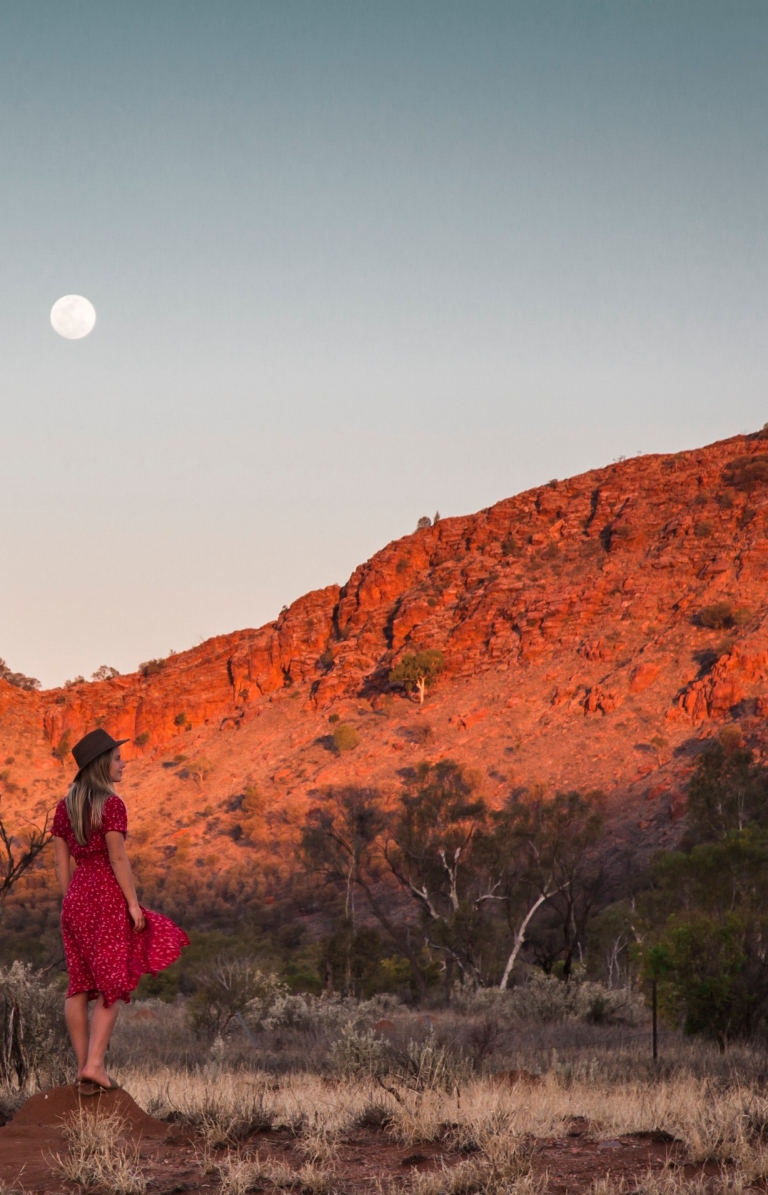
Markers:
<point>520,938</point>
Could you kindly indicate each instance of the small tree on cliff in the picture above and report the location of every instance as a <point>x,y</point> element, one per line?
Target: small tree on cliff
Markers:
<point>417,672</point>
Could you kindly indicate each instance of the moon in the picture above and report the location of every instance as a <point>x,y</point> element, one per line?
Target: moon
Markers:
<point>73,317</point>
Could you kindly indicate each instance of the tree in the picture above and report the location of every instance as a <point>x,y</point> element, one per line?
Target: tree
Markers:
<point>545,852</point>
<point>17,854</point>
<point>343,840</point>
<point>105,672</point>
<point>416,672</point>
<point>702,966</point>
<point>431,853</point>
<point>728,791</point>
<point>705,933</point>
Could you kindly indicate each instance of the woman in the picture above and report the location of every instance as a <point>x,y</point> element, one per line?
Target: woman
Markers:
<point>110,941</point>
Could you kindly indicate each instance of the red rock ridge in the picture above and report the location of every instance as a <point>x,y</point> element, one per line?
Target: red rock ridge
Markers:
<point>568,620</point>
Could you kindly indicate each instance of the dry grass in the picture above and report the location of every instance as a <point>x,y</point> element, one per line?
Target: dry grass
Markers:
<point>99,1156</point>
<point>237,1175</point>
<point>226,1107</point>
<point>711,1106</point>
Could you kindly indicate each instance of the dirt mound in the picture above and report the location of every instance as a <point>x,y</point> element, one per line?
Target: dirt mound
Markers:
<point>29,1142</point>
<point>52,1107</point>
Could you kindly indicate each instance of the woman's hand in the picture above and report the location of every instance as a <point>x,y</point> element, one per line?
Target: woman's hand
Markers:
<point>137,917</point>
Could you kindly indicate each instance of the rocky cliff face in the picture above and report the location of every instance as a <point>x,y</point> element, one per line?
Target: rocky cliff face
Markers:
<point>594,630</point>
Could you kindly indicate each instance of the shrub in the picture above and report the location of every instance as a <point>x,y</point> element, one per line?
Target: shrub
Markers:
<point>423,522</point>
<point>703,530</point>
<point>142,739</point>
<point>29,683</point>
<point>345,737</point>
<point>151,667</point>
<point>61,751</point>
<point>747,472</point>
<point>231,986</point>
<point>326,659</point>
<point>549,1000</point>
<point>717,616</point>
<point>44,1035</point>
<point>358,1054</point>
<point>180,719</point>
<point>730,737</point>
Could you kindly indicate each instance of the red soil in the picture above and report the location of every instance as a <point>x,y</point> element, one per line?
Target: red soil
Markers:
<point>29,1143</point>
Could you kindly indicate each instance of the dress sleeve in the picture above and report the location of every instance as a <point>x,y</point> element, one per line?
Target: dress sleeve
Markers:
<point>114,816</point>
<point>60,821</point>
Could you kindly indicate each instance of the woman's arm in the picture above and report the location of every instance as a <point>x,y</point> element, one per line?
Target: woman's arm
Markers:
<point>124,876</point>
<point>62,861</point>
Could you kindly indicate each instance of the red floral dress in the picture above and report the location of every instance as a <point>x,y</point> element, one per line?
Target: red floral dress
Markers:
<point>104,953</point>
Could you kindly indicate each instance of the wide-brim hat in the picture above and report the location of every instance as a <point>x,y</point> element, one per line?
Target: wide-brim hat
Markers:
<point>95,743</point>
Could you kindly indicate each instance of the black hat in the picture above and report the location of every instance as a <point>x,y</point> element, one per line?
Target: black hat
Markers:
<point>96,743</point>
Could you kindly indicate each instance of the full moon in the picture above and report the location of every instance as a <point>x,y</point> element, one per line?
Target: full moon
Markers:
<point>73,317</point>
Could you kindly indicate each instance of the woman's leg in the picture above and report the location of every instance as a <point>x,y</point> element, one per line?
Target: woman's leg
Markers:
<point>76,1017</point>
<point>102,1023</point>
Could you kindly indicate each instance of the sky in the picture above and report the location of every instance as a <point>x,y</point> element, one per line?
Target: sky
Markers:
<point>352,263</point>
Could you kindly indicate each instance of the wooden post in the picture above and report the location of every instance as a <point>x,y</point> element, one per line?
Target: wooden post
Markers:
<point>654,1015</point>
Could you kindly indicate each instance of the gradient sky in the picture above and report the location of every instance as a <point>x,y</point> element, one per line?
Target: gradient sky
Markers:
<point>352,262</point>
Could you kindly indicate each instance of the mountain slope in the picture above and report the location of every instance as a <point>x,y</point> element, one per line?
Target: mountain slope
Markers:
<point>570,621</point>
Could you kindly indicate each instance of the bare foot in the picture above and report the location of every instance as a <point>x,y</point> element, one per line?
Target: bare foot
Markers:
<point>96,1074</point>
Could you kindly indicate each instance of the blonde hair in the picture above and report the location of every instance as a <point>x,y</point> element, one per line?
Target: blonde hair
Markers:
<point>87,796</point>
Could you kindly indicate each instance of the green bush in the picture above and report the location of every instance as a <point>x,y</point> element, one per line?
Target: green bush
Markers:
<point>180,719</point>
<point>703,530</point>
<point>701,964</point>
<point>142,739</point>
<point>345,737</point>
